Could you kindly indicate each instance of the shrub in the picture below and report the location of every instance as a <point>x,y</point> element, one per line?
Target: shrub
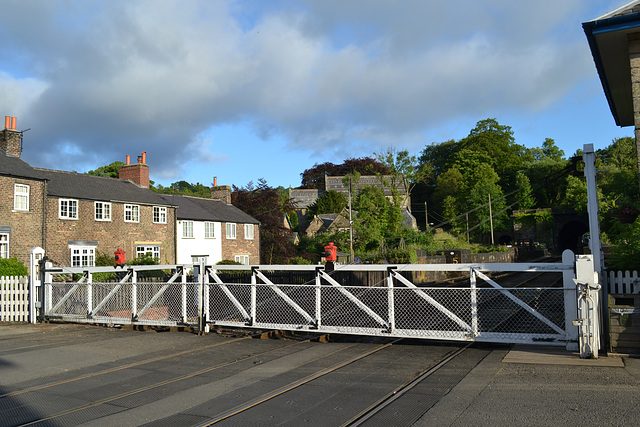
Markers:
<point>12,267</point>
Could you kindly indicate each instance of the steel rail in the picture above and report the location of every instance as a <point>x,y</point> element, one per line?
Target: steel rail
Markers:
<point>150,386</point>
<point>293,385</point>
<point>381,404</point>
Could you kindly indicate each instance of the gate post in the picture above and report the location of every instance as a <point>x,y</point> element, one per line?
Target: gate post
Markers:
<point>48,287</point>
<point>570,302</point>
<point>588,320</point>
<point>474,303</point>
<point>318,298</point>
<point>205,296</point>
<point>254,281</point>
<point>35,256</point>
<point>134,294</point>
<point>184,294</point>
<point>390,300</point>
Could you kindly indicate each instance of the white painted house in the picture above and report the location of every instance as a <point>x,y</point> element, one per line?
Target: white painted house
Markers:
<point>215,229</point>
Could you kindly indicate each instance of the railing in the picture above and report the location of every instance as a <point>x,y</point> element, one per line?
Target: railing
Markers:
<point>14,299</point>
<point>623,282</point>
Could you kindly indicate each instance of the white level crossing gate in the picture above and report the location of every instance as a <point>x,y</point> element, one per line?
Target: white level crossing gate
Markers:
<point>265,297</point>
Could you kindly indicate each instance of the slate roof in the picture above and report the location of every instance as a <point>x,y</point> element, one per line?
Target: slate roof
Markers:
<point>335,183</point>
<point>607,37</point>
<point>200,209</point>
<point>13,166</point>
<point>89,187</point>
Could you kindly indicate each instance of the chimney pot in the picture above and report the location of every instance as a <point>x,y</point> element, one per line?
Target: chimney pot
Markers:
<point>7,122</point>
<point>144,157</point>
<point>13,123</point>
<point>215,181</point>
<point>128,159</point>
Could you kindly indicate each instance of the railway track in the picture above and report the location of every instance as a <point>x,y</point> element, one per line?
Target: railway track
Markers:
<point>249,382</point>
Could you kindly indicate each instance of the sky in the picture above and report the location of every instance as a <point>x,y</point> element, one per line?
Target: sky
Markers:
<point>249,90</point>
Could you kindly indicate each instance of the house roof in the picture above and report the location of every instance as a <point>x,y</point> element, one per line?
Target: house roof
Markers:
<point>336,183</point>
<point>201,209</point>
<point>89,187</point>
<point>13,166</point>
<point>607,37</point>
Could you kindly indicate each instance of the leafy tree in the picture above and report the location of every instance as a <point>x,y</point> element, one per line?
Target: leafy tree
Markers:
<point>314,177</point>
<point>626,253</point>
<point>185,188</point>
<point>438,157</point>
<point>403,166</point>
<point>377,217</point>
<point>330,202</point>
<point>548,176</point>
<point>265,204</point>
<point>619,183</point>
<point>110,171</point>
<point>524,196</point>
<point>549,150</point>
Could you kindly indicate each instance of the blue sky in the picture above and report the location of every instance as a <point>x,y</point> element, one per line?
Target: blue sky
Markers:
<point>243,90</point>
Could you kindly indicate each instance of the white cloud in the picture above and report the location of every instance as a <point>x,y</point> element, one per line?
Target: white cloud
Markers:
<point>122,77</point>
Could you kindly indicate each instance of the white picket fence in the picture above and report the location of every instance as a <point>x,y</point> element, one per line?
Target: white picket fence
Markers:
<point>14,299</point>
<point>623,282</point>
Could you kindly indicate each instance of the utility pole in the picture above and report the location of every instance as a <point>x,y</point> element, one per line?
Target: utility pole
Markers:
<point>491,219</point>
<point>467,214</point>
<point>426,217</point>
<point>350,224</point>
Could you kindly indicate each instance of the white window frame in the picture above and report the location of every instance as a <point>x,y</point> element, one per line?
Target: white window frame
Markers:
<point>242,259</point>
<point>248,231</point>
<point>187,229</point>
<point>68,209</point>
<point>231,230</point>
<point>133,213</point>
<point>21,197</point>
<point>209,230</point>
<point>159,215</point>
<point>4,245</point>
<point>102,211</point>
<point>142,250</point>
<point>83,256</point>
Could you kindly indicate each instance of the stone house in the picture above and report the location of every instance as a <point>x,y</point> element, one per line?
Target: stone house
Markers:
<point>215,229</point>
<point>303,198</point>
<point>329,223</point>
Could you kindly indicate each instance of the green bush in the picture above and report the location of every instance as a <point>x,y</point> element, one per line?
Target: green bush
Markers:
<point>12,267</point>
<point>626,253</point>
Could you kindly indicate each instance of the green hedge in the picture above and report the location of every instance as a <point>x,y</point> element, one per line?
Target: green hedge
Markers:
<point>12,267</point>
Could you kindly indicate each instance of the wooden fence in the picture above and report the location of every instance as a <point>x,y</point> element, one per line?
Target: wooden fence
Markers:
<point>14,299</point>
<point>623,282</point>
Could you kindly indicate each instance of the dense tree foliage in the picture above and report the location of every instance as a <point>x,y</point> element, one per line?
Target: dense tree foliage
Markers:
<point>314,177</point>
<point>456,179</point>
<point>110,171</point>
<point>329,202</point>
<point>185,188</point>
<point>267,205</point>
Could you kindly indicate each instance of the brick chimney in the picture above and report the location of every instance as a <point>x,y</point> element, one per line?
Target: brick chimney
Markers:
<point>220,192</point>
<point>11,138</point>
<point>138,172</point>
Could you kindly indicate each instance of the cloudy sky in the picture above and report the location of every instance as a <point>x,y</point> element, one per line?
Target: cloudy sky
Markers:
<point>244,90</point>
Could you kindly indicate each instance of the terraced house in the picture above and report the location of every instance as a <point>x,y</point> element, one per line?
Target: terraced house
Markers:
<point>74,217</point>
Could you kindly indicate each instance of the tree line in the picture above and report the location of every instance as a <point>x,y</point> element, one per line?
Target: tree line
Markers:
<point>450,184</point>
